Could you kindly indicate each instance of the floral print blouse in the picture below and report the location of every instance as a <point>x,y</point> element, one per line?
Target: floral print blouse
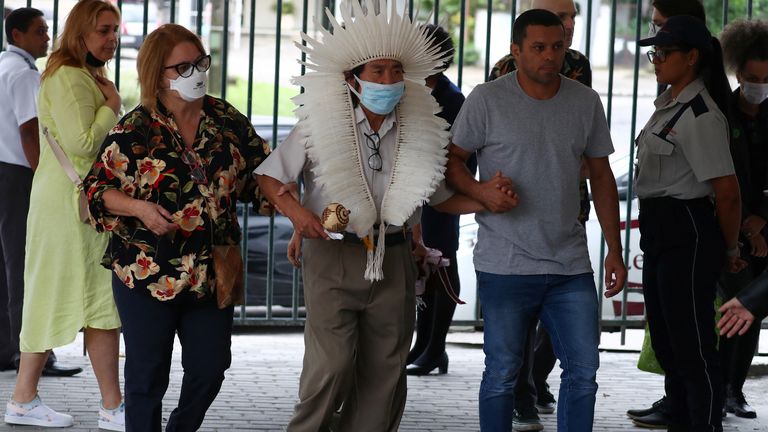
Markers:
<point>144,156</point>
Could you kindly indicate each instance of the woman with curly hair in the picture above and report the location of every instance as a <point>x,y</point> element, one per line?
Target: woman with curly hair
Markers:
<point>745,52</point>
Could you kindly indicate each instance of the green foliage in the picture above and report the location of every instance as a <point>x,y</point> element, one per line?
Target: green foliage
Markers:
<point>237,95</point>
<point>471,55</point>
<point>129,89</point>
<point>736,9</point>
<point>288,7</point>
<point>263,95</point>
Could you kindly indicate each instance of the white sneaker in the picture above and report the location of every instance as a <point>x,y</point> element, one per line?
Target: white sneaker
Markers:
<point>35,413</point>
<point>112,419</point>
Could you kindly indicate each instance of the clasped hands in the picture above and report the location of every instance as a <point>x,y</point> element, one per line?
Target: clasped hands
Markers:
<point>497,194</point>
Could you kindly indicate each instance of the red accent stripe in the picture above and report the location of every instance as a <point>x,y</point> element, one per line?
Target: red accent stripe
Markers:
<point>633,225</point>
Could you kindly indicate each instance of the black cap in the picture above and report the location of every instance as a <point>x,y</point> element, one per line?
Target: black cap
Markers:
<point>682,30</point>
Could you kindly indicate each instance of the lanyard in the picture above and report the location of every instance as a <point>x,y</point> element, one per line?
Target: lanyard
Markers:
<point>26,60</point>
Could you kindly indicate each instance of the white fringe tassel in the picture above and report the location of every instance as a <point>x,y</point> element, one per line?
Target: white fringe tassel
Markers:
<point>374,269</point>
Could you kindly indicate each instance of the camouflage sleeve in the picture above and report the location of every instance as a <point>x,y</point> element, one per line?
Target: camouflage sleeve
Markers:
<point>502,67</point>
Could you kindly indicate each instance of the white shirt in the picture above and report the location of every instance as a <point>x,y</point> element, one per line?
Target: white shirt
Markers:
<point>289,161</point>
<point>19,84</point>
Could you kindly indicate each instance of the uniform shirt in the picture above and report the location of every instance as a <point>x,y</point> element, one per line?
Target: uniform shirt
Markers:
<point>19,84</point>
<point>289,161</point>
<point>142,157</point>
<point>676,162</point>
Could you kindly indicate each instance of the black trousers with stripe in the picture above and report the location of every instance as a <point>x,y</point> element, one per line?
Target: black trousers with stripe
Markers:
<point>684,252</point>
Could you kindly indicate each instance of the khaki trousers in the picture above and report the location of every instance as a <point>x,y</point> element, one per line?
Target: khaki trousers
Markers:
<point>357,336</point>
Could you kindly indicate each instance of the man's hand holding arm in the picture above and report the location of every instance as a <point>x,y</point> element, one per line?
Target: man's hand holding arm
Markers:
<point>496,195</point>
<point>304,221</point>
<point>606,199</point>
<point>736,319</point>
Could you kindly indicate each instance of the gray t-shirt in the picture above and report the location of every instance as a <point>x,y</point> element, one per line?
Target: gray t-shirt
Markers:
<point>539,145</point>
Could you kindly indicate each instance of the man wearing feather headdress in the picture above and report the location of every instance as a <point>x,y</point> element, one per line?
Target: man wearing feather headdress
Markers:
<point>368,139</point>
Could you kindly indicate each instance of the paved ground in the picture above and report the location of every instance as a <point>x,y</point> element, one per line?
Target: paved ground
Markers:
<point>261,388</point>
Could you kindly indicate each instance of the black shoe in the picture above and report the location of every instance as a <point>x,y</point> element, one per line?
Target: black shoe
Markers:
<point>737,405</point>
<point>526,420</point>
<point>57,369</point>
<point>656,420</point>
<point>545,402</point>
<point>441,364</point>
<point>659,404</point>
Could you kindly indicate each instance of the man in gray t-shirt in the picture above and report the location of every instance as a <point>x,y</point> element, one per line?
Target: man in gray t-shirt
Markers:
<point>534,126</point>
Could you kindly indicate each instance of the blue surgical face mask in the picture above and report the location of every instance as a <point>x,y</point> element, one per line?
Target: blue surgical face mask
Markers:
<point>379,98</point>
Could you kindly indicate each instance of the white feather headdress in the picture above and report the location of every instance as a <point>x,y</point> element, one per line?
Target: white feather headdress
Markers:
<point>326,106</point>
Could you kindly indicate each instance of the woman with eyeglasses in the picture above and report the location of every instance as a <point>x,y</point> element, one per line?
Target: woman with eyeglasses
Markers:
<point>689,217</point>
<point>165,186</point>
<point>655,416</point>
<point>65,290</point>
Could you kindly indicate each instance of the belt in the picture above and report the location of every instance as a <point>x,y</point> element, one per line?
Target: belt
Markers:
<point>669,202</point>
<point>390,239</point>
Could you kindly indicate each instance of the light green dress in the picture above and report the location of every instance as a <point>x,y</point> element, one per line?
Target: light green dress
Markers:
<point>65,287</point>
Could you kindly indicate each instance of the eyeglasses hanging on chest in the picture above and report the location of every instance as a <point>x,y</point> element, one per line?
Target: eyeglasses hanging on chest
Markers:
<point>373,142</point>
<point>196,168</point>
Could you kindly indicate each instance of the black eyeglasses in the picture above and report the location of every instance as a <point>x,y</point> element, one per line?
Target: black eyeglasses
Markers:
<point>185,69</point>
<point>197,171</point>
<point>660,55</point>
<point>373,141</point>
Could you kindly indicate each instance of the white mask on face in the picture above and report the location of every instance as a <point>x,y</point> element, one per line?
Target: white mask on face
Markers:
<point>191,88</point>
<point>754,93</point>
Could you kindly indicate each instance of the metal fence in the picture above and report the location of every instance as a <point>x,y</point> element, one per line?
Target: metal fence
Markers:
<point>254,57</point>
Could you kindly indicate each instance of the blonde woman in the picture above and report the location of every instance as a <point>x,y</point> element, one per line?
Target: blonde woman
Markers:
<point>65,287</point>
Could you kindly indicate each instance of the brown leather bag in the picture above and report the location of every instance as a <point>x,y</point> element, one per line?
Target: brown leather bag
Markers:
<point>228,266</point>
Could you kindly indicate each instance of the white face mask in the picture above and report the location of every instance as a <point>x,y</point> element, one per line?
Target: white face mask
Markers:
<point>191,88</point>
<point>754,93</point>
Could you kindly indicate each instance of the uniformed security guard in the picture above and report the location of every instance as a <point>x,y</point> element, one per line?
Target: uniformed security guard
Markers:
<point>689,217</point>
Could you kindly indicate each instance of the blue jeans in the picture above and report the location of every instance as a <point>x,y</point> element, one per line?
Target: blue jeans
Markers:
<point>567,307</point>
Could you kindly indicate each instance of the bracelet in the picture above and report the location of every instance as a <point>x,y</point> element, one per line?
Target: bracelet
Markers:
<point>730,253</point>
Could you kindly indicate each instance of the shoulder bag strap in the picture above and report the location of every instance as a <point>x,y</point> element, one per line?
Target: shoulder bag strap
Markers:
<point>63,159</point>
